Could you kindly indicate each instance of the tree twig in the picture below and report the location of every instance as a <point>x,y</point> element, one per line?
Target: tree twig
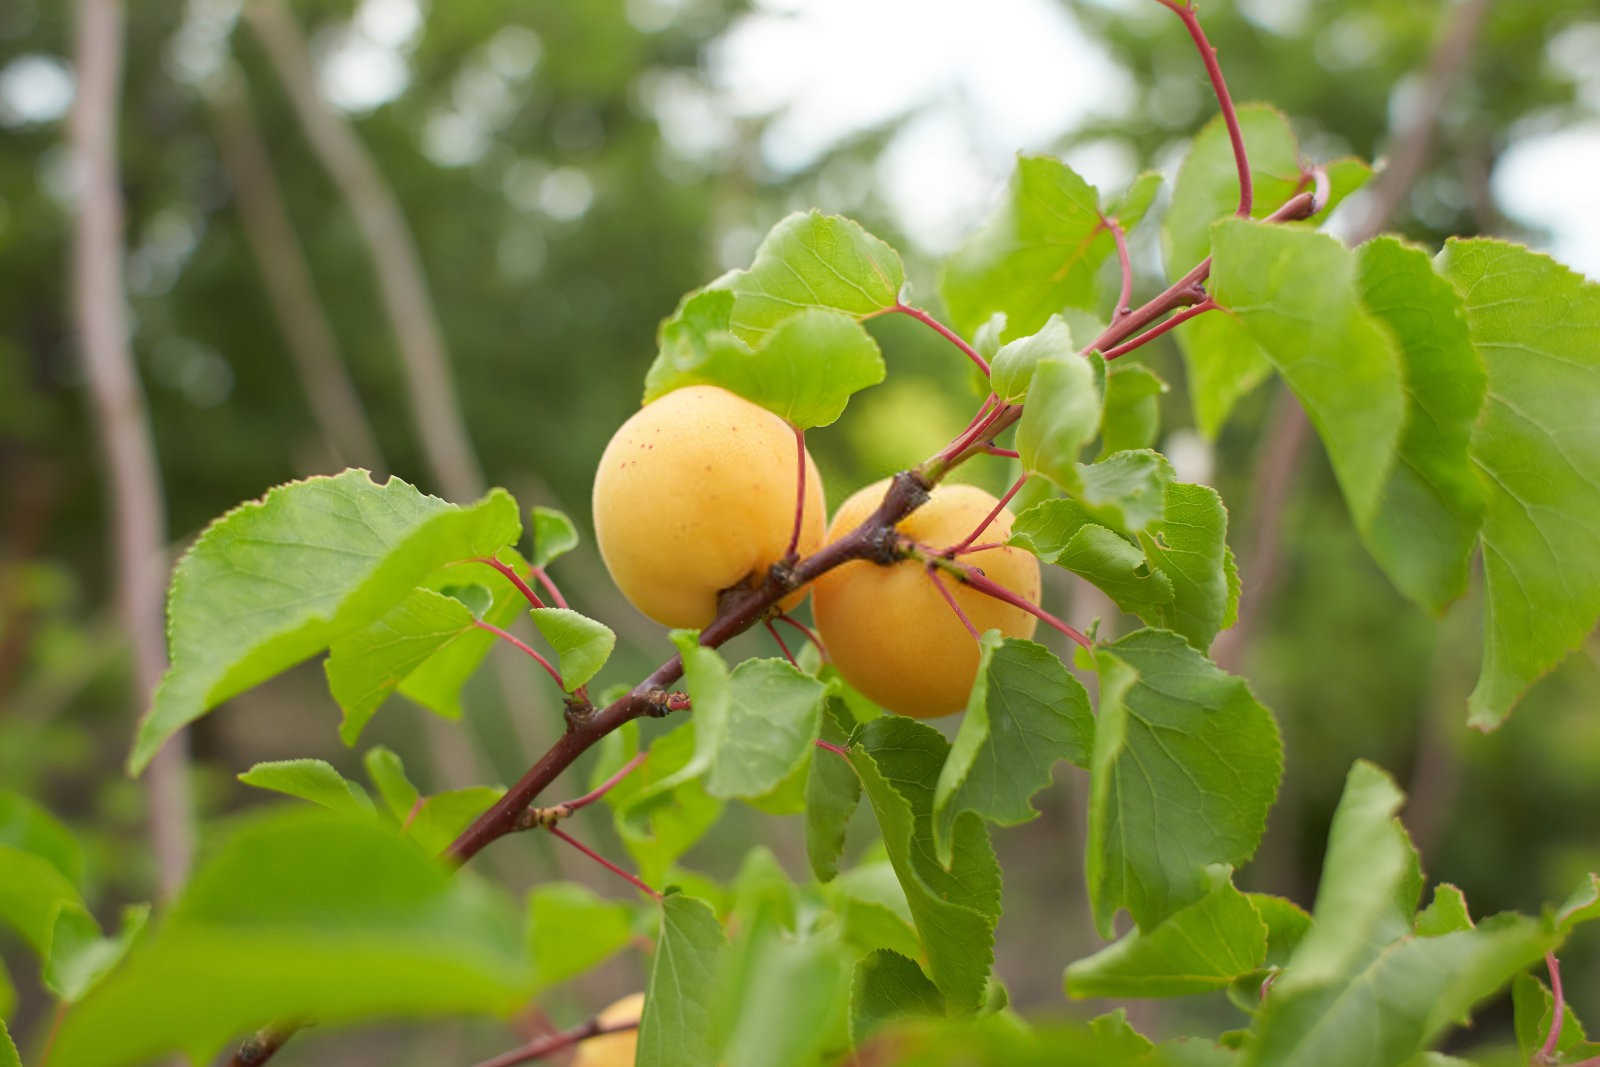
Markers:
<point>540,1047</point>
<point>133,479</point>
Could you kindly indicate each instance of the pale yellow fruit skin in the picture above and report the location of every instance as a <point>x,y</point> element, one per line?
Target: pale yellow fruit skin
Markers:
<point>695,494</point>
<point>888,630</point>
<point>613,1050</point>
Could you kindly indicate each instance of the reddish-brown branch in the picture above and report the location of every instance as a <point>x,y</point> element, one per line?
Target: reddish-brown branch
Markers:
<point>521,645</point>
<point>799,494</point>
<point>1125,263</point>
<point>999,506</point>
<point>1208,55</point>
<point>1153,332</point>
<point>950,598</point>
<point>511,576</point>
<point>946,332</point>
<point>543,1046</point>
<point>773,630</point>
<point>602,861</point>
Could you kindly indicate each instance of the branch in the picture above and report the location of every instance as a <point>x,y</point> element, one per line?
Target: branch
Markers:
<point>540,1047</point>
<point>1125,264</point>
<point>133,479</point>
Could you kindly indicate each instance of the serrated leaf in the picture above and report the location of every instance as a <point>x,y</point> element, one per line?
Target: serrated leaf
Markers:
<point>954,909</point>
<point>437,682</point>
<point>1135,201</point>
<point>889,986</point>
<point>80,957</point>
<point>872,909</point>
<point>571,930</point>
<point>1011,369</point>
<point>1038,253</point>
<point>1287,924</point>
<point>1125,491</point>
<point>1297,294</point>
<point>1533,1006</point>
<point>1060,416</point>
<point>1426,524</point>
<point>1224,364</point>
<point>1117,567</point>
<point>582,645</point>
<point>388,775</point>
<point>1026,711</point>
<point>26,825</point>
<point>986,338</point>
<point>706,677</point>
<point>1132,410</point>
<point>310,779</point>
<point>276,580</point>
<point>1445,914</point>
<point>783,1000</point>
<point>1183,753</point>
<point>553,535</point>
<point>1190,546</point>
<point>811,260</point>
<point>339,920</point>
<point>34,895</point>
<point>1198,948</point>
<point>680,999</point>
<point>773,720</point>
<point>366,665</point>
<point>1537,445</point>
<point>832,793</point>
<point>8,1051</point>
<point>656,824</point>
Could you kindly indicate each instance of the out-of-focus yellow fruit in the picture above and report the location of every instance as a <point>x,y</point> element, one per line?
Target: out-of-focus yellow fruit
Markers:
<point>618,1049</point>
<point>696,494</point>
<point>888,630</point>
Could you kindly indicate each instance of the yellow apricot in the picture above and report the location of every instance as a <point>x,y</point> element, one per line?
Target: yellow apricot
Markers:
<point>696,494</point>
<point>618,1049</point>
<point>888,630</point>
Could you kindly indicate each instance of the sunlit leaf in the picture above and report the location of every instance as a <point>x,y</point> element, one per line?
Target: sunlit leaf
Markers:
<point>553,535</point>
<point>582,645</point>
<point>366,665</point>
<point>571,930</point>
<point>773,721</point>
<point>310,779</point>
<point>1060,416</point>
<point>1132,407</point>
<point>1011,369</point>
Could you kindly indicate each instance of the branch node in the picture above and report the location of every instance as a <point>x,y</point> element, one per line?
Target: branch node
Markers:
<point>579,712</point>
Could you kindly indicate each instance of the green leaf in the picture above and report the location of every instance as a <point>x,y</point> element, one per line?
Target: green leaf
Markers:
<point>1038,253</point>
<point>1190,546</point>
<point>1135,201</point>
<point>1427,520</point>
<point>706,677</point>
<point>582,645</point>
<point>1116,566</point>
<point>1025,712</point>
<point>8,1051</point>
<point>553,535</point>
<point>1198,948</point>
<point>889,986</point>
<point>29,827</point>
<point>277,580</point>
<point>1060,416</point>
<point>1132,409</point>
<point>35,896</point>
<point>437,682</point>
<point>442,816</point>
<point>872,909</point>
<point>1125,491</point>
<point>680,1000</point>
<point>1533,1006</point>
<point>310,779</point>
<point>300,913</point>
<point>366,665</point>
<point>1297,293</point>
<point>1224,365</point>
<point>1011,369</point>
<point>954,909</point>
<point>773,720</point>
<point>1445,915</point>
<point>1183,753</point>
<point>1537,446</point>
<point>656,824</point>
<point>80,957</point>
<point>388,774</point>
<point>811,260</point>
<point>832,793</point>
<point>571,930</point>
<point>1287,924</point>
<point>783,1000</point>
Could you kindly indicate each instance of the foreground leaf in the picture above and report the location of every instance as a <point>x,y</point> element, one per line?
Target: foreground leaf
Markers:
<point>659,813</point>
<point>1026,711</point>
<point>1183,754</point>
<point>888,986</point>
<point>299,914</point>
<point>783,999</point>
<point>1537,445</point>
<point>29,827</point>
<point>832,793</point>
<point>310,779</point>
<point>679,1003</point>
<point>571,930</point>
<point>276,580</point>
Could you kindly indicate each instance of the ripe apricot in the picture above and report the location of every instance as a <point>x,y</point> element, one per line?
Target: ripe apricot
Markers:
<point>890,632</point>
<point>618,1049</point>
<point>696,494</point>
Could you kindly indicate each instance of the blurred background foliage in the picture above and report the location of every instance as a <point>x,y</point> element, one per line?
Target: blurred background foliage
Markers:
<point>568,171</point>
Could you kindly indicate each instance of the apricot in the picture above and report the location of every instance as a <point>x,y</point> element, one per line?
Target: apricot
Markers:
<point>889,631</point>
<point>618,1049</point>
<point>695,494</point>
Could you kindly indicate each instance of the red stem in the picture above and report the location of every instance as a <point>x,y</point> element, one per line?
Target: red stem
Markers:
<point>511,576</point>
<point>1208,55</point>
<point>996,450</point>
<point>946,332</point>
<point>773,630</point>
<point>981,547</point>
<point>540,1047</point>
<point>799,495</point>
<point>831,747</point>
<point>810,634</point>
<point>1125,297</point>
<point>602,861</point>
<point>550,587</point>
<point>519,643</point>
<point>949,598</point>
<point>1151,334</point>
<point>606,786</point>
<point>956,550</point>
<point>1547,1054</point>
<point>1001,593</point>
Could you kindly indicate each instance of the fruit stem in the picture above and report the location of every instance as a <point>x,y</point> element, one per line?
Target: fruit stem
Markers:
<point>602,861</point>
<point>957,549</point>
<point>520,644</point>
<point>544,1045</point>
<point>971,576</point>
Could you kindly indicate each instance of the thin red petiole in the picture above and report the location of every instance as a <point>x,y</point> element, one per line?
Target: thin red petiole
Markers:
<point>773,630</point>
<point>1547,1054</point>
<point>1001,593</point>
<point>996,450</point>
<point>606,786</point>
<point>949,598</point>
<point>1125,297</point>
<point>810,634</point>
<point>519,643</point>
<point>955,550</point>
<point>602,861</point>
<point>984,419</point>
<point>511,576</point>
<point>831,747</point>
<point>946,332</point>
<point>1208,56</point>
<point>982,546</point>
<point>799,493</point>
<point>550,587</point>
<point>1153,332</point>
